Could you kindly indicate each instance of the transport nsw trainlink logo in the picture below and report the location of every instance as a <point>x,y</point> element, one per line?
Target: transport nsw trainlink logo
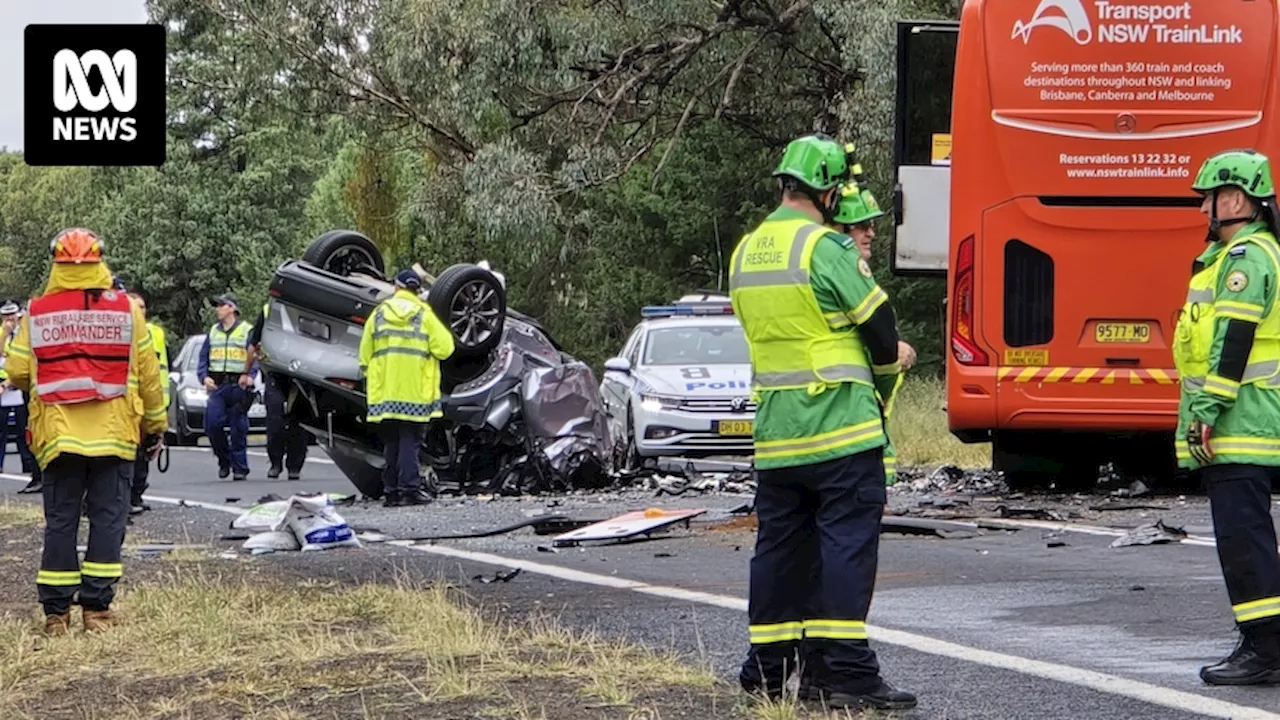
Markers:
<point>1122,23</point>
<point>1073,21</point>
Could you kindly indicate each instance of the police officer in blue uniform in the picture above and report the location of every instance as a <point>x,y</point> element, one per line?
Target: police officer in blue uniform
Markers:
<point>222,369</point>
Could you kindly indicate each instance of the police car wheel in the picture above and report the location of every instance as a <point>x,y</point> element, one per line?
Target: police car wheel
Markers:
<point>625,456</point>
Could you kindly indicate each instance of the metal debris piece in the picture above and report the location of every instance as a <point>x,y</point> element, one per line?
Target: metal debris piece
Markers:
<point>531,522</point>
<point>500,576</point>
<point>1156,533</point>
<point>1111,505</point>
<point>1030,513</point>
<point>938,528</point>
<point>640,522</point>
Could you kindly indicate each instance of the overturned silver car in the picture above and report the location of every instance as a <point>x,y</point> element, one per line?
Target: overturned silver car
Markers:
<point>520,414</point>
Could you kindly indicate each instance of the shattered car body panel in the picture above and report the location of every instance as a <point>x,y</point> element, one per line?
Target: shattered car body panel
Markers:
<point>520,415</point>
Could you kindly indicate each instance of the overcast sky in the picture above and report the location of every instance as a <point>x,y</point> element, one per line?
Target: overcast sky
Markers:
<point>15,15</point>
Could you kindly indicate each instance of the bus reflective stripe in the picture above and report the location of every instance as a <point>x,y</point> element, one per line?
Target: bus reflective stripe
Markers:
<point>1105,376</point>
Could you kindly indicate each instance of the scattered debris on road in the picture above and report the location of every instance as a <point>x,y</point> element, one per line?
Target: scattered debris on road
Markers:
<point>302,522</point>
<point>937,528</point>
<point>500,576</point>
<point>950,480</point>
<point>1156,533</point>
<point>630,525</point>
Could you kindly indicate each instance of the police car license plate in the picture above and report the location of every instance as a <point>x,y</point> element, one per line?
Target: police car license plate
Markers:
<point>1122,333</point>
<point>734,427</point>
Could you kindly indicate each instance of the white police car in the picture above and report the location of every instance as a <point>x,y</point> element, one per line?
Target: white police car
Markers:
<point>681,386</point>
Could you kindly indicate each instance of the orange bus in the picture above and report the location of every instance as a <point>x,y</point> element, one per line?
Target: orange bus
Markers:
<point>1044,153</point>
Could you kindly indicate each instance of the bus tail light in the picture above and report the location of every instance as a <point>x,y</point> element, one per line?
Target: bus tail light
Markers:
<point>963,336</point>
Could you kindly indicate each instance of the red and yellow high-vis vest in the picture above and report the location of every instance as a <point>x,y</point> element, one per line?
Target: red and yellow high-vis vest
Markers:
<point>81,340</point>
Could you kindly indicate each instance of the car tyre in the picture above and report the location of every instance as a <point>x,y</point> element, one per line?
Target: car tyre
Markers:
<point>625,457</point>
<point>344,252</point>
<point>473,304</point>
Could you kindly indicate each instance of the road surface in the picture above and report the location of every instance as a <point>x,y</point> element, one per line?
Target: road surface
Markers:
<point>998,625</point>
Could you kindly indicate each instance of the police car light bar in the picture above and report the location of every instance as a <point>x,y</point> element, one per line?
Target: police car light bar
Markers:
<point>687,309</point>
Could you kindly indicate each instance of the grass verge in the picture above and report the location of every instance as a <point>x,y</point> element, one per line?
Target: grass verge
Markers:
<point>919,429</point>
<point>20,514</point>
<point>198,644</point>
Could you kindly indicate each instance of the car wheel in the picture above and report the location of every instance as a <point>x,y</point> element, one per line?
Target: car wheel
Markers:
<point>471,301</point>
<point>625,456</point>
<point>344,252</point>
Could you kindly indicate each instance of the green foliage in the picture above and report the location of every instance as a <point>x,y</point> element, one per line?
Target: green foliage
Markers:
<point>601,155</point>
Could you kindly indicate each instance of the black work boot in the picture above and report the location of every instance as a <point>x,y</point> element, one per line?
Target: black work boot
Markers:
<point>1256,661</point>
<point>882,697</point>
<point>295,474</point>
<point>418,497</point>
<point>275,471</point>
<point>224,471</point>
<point>392,499</point>
<point>36,485</point>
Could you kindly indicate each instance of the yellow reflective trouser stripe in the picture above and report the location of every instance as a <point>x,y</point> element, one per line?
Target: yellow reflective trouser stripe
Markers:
<point>835,629</point>
<point>101,570</point>
<point>775,633</point>
<point>869,305</point>
<point>1221,386</point>
<point>58,578</point>
<point>1247,312</point>
<point>1257,609</point>
<point>819,443</point>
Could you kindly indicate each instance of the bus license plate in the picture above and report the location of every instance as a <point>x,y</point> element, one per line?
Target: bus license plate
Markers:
<point>734,427</point>
<point>1122,333</point>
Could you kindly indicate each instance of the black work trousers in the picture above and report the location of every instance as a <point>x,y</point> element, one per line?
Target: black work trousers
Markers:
<point>1240,499</point>
<point>401,441</point>
<point>286,440</point>
<point>71,482</point>
<point>813,574</point>
<point>141,470</point>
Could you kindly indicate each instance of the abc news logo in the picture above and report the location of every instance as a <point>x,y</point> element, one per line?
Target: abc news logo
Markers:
<point>94,95</point>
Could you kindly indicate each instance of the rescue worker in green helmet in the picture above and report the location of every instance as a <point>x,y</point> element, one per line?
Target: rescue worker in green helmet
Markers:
<point>824,351</point>
<point>1227,351</point>
<point>854,217</point>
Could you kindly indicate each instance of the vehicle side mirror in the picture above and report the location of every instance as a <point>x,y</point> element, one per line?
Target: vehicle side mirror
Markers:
<point>617,364</point>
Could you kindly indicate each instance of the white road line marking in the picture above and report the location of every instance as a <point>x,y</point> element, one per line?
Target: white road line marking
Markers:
<point>154,498</point>
<point>1102,682</point>
<point>255,453</point>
